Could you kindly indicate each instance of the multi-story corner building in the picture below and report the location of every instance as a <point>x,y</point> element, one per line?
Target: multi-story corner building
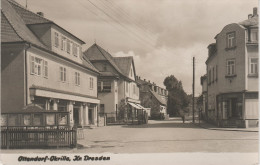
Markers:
<point>232,75</point>
<point>42,64</point>
<point>116,83</point>
<point>204,84</point>
<point>154,97</point>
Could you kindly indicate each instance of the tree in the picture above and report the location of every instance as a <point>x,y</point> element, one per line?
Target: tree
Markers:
<point>177,98</point>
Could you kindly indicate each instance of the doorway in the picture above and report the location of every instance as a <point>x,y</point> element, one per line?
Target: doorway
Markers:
<point>76,116</point>
<point>90,116</point>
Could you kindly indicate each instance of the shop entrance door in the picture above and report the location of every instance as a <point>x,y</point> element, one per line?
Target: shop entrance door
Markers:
<point>76,116</point>
<point>90,116</point>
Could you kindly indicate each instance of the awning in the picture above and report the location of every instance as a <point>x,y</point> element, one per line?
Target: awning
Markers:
<point>141,106</point>
<point>134,105</point>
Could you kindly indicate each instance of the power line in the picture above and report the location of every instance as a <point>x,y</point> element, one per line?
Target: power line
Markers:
<point>127,18</point>
<point>108,22</point>
<point>129,30</point>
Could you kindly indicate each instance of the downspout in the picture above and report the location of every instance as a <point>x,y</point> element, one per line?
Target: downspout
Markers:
<point>26,77</point>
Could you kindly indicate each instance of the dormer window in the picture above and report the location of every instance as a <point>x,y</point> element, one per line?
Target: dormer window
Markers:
<point>74,50</point>
<point>63,43</point>
<point>231,40</point>
<point>56,39</point>
<point>68,46</point>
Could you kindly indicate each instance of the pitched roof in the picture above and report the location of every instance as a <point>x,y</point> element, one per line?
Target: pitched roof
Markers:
<point>95,52</point>
<point>8,34</point>
<point>88,64</point>
<point>158,97</point>
<point>250,22</point>
<point>18,25</point>
<point>124,63</point>
<point>28,16</point>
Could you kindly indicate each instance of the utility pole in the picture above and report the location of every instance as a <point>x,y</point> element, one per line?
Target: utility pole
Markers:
<point>193,83</point>
<point>26,4</point>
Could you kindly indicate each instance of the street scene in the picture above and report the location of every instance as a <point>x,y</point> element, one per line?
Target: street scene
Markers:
<point>130,77</point>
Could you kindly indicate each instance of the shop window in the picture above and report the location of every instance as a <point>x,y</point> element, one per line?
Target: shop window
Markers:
<point>26,119</point>
<point>38,119</point>
<point>50,119</point>
<point>3,120</point>
<point>13,120</point>
<point>62,119</point>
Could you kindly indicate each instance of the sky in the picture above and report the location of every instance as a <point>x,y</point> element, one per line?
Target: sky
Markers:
<point>162,35</point>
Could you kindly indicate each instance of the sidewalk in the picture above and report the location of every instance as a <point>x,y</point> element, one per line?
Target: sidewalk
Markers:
<point>205,125</point>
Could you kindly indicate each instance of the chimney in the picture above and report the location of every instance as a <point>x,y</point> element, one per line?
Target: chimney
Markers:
<point>144,79</point>
<point>250,16</point>
<point>255,11</point>
<point>149,81</point>
<point>40,14</point>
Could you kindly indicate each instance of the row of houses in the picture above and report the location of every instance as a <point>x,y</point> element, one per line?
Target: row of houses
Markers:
<point>42,64</point>
<point>230,87</point>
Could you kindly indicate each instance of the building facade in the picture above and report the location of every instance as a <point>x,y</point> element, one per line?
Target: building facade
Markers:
<point>232,75</point>
<point>42,64</point>
<point>116,84</point>
<point>153,97</point>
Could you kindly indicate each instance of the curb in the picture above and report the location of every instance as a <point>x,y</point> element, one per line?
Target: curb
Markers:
<point>220,129</point>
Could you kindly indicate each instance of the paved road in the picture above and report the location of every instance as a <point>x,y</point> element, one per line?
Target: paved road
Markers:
<point>165,137</point>
<point>158,137</point>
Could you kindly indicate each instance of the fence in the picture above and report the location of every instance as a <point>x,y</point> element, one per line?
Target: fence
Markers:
<point>139,118</point>
<point>38,137</point>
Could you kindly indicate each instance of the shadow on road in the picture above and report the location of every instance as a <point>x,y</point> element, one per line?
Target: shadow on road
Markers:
<point>163,125</point>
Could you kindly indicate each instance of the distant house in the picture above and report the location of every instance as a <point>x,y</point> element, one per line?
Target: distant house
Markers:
<point>204,84</point>
<point>232,75</point>
<point>42,64</point>
<point>116,84</point>
<point>154,97</point>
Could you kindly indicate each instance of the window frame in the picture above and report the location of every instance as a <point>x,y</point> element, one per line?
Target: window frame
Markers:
<point>63,43</point>
<point>231,41</point>
<point>228,66</point>
<point>91,83</point>
<point>77,78</point>
<point>56,39</point>
<point>255,66</point>
<point>62,74</point>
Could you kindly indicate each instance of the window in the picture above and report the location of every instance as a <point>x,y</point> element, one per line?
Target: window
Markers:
<point>45,67</point>
<point>254,35</point>
<point>77,78</point>
<point>231,38</point>
<point>104,86</point>
<point>230,67</point>
<point>63,43</point>
<point>91,84</point>
<point>102,108</point>
<point>253,66</point>
<point>63,75</point>
<point>56,39</point>
<point>39,66</point>
<point>68,46</point>
<point>74,49</point>
<point>134,88</point>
